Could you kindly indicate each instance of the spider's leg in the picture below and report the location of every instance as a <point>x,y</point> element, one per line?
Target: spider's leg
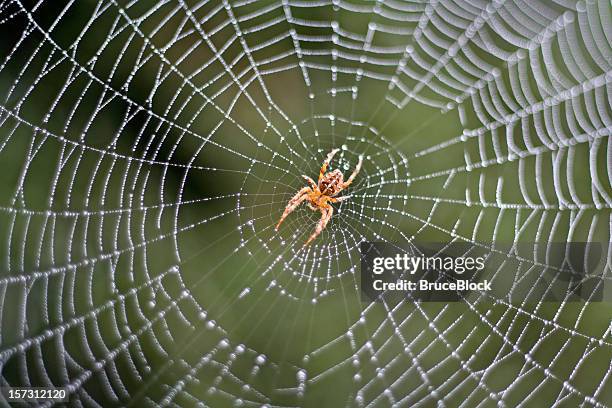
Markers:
<point>326,214</point>
<point>293,204</point>
<point>326,163</point>
<point>355,172</point>
<point>310,181</point>
<point>338,199</point>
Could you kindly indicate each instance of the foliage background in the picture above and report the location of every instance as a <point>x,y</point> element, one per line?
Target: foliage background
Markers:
<point>134,212</point>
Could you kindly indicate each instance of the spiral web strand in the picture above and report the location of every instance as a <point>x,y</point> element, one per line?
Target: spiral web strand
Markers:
<point>148,150</point>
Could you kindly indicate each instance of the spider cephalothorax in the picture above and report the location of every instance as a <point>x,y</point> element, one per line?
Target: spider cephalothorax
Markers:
<point>320,194</point>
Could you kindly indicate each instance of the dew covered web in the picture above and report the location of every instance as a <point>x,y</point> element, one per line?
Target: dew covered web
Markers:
<point>147,150</point>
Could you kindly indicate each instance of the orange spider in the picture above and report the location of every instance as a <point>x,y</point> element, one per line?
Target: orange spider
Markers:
<point>320,195</point>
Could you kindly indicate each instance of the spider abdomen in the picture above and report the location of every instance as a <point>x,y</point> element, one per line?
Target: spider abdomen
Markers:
<point>330,184</point>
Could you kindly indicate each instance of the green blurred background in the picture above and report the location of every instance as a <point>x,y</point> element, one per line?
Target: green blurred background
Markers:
<point>147,151</point>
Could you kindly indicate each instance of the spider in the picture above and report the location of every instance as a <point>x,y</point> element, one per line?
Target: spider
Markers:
<point>320,195</point>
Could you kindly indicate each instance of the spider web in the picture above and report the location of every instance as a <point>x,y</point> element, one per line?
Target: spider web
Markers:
<point>148,150</point>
